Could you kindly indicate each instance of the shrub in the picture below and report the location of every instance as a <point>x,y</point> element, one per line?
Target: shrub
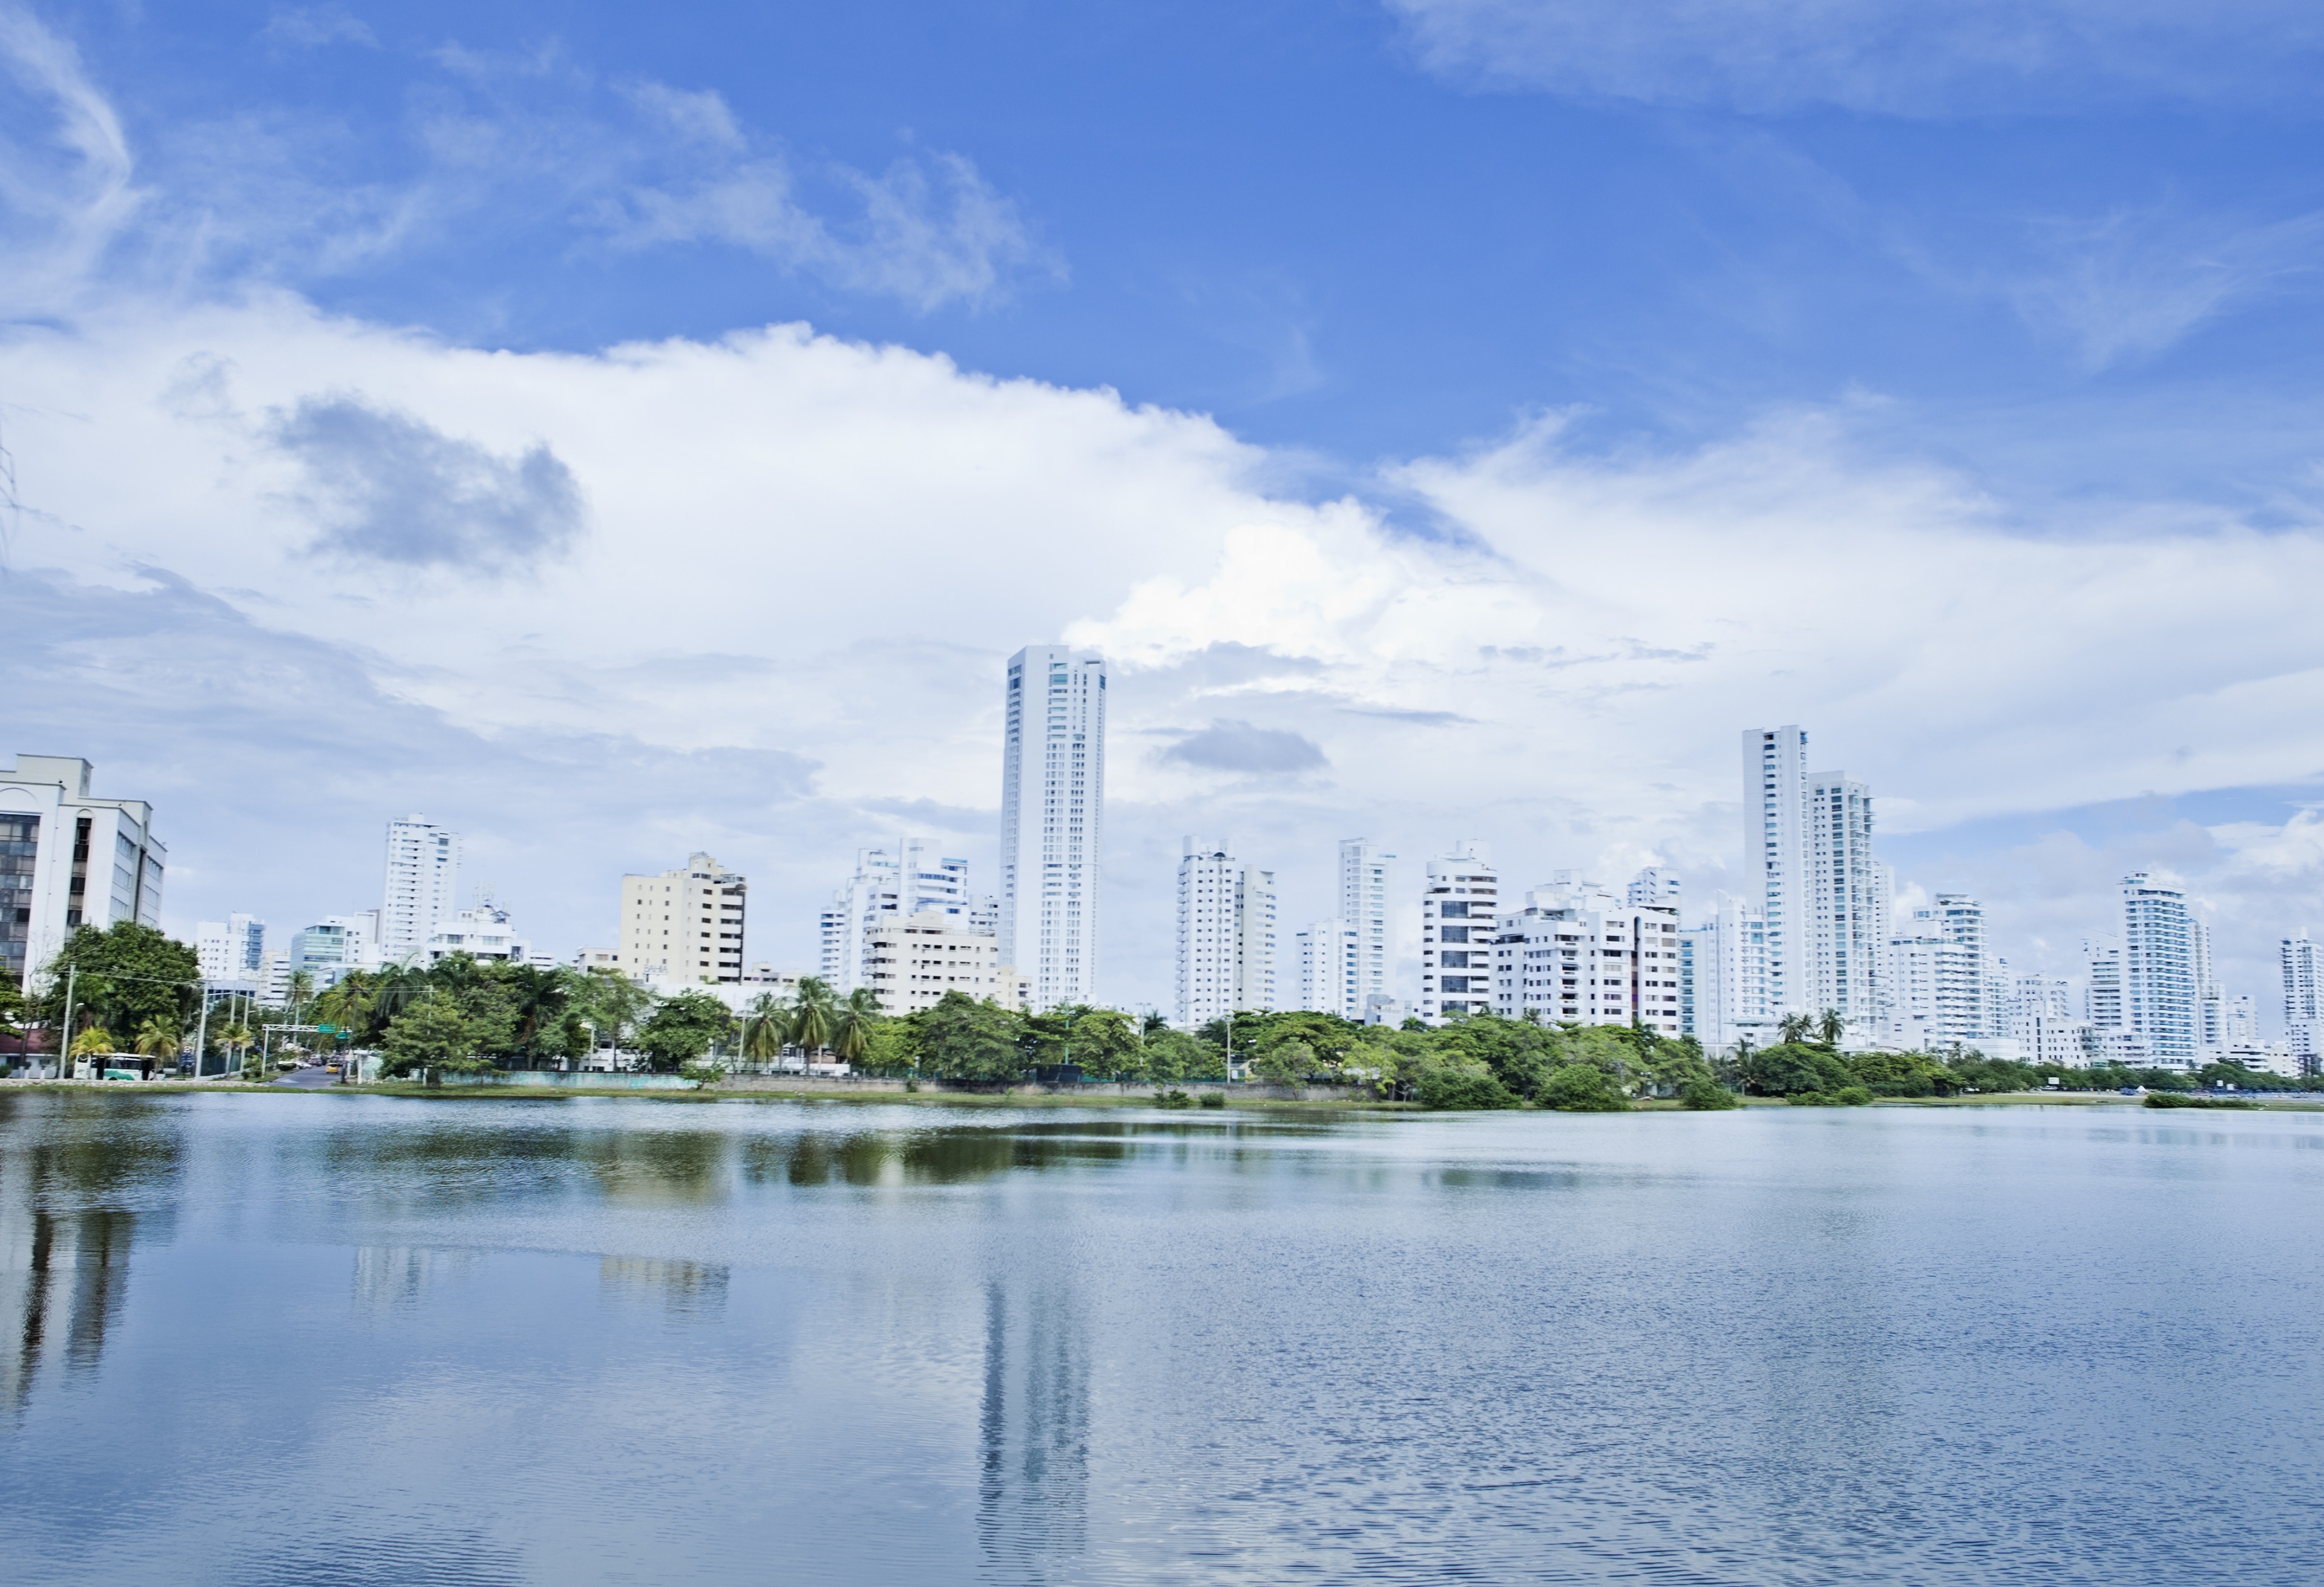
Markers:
<point>1173,1098</point>
<point>1462,1085</point>
<point>1853,1096</point>
<point>1707,1095</point>
<point>1582,1088</point>
<point>1214,1099</point>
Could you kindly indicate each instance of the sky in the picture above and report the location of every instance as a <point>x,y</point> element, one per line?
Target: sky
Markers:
<point>615,432</point>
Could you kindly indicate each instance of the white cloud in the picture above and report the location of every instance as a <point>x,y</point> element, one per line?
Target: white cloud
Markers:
<point>493,147</point>
<point>1898,57</point>
<point>311,27</point>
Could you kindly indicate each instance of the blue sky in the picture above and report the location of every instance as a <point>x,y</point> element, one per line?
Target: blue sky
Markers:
<point>1511,400</point>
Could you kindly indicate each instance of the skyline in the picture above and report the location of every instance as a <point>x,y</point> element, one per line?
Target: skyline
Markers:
<point>654,438</point>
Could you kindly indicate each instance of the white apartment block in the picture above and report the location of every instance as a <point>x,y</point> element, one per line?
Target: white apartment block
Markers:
<point>2242,1027</point>
<point>1725,991</point>
<point>231,952</point>
<point>1809,836</point>
<point>423,887</point>
<point>2042,1022</point>
<point>2304,1001</point>
<point>69,859</point>
<point>1655,888</point>
<point>1972,988</point>
<point>1363,906</point>
<point>483,932</point>
<point>2158,970</point>
<point>683,927</point>
<point>2102,983</point>
<point>915,880</point>
<point>1052,811</point>
<point>1331,964</point>
<point>1226,936</point>
<point>915,959</point>
<point>1577,954</point>
<point>1910,1018</point>
<point>1458,911</point>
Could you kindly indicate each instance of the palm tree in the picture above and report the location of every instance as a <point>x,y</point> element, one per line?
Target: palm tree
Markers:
<point>541,996</point>
<point>302,988</point>
<point>159,1038</point>
<point>763,1028</point>
<point>1830,1027</point>
<point>851,1023</point>
<point>1795,1028</point>
<point>809,1025</point>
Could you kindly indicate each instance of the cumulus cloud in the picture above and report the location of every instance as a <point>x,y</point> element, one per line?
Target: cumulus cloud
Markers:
<point>388,488</point>
<point>1893,57</point>
<point>1238,746</point>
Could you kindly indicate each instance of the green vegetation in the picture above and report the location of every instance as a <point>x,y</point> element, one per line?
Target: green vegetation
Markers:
<point>124,977</point>
<point>2166,1099</point>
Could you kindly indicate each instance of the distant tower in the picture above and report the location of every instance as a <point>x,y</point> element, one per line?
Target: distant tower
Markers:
<point>1052,808</point>
<point>1363,907</point>
<point>423,885</point>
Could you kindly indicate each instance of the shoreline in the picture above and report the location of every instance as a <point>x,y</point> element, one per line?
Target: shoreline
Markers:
<point>1037,1097</point>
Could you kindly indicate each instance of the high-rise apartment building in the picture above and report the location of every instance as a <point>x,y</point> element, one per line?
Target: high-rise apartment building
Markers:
<point>2158,969</point>
<point>683,927</point>
<point>1577,954</point>
<point>1226,936</point>
<point>915,880</point>
<point>1052,814</point>
<point>1458,910</point>
<point>69,859</point>
<point>1330,965</point>
<point>2042,1022</point>
<point>334,946</point>
<point>232,951</point>
<point>423,887</point>
<point>1724,982</point>
<point>2303,1000</point>
<point>2102,983</point>
<point>1363,907</point>
<point>1809,836</point>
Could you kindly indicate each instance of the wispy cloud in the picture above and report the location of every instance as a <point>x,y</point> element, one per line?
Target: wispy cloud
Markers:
<point>2134,283</point>
<point>311,27</point>
<point>491,147</point>
<point>1924,57</point>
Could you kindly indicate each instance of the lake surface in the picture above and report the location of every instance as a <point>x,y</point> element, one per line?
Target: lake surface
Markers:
<point>336,1340</point>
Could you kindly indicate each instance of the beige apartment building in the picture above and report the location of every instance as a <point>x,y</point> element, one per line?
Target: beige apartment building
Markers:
<point>683,927</point>
<point>915,959</point>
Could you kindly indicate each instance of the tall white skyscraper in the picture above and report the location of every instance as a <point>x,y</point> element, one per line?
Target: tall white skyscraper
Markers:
<point>2158,969</point>
<point>1459,908</point>
<point>1809,834</point>
<point>1226,936</point>
<point>1363,907</point>
<point>1655,888</point>
<point>1052,810</point>
<point>2303,1000</point>
<point>423,886</point>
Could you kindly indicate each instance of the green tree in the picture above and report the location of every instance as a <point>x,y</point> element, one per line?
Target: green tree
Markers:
<point>1794,1068</point>
<point>119,977</point>
<point>1706,1094</point>
<point>1103,1043</point>
<point>159,1037</point>
<point>808,1024</point>
<point>1583,1088</point>
<point>853,1020</point>
<point>1286,1063</point>
<point>1461,1082</point>
<point>612,1004</point>
<point>961,1038</point>
<point>680,1031</point>
<point>1175,1055</point>
<point>539,998</point>
<point>764,1024</point>
<point>431,1034</point>
<point>93,1040</point>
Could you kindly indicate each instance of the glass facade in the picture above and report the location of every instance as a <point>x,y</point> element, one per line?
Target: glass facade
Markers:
<point>20,845</point>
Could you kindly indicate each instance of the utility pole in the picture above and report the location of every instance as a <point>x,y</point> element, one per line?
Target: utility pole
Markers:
<point>202,1026</point>
<point>64,1037</point>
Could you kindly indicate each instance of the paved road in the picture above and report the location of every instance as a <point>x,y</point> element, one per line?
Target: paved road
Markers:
<point>308,1077</point>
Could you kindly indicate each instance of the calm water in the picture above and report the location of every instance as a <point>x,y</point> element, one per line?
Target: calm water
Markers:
<point>337,1340</point>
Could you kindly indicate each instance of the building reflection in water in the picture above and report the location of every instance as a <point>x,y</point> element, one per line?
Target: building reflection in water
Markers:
<point>399,1274</point>
<point>63,1285</point>
<point>1032,1511</point>
<point>687,1290</point>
